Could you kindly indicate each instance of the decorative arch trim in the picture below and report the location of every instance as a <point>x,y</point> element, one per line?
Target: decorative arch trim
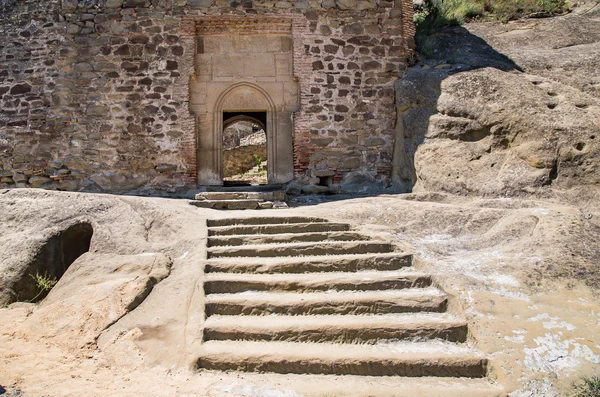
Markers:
<point>221,100</point>
<point>270,128</point>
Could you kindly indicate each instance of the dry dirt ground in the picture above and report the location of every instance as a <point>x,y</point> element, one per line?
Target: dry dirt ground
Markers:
<point>124,319</point>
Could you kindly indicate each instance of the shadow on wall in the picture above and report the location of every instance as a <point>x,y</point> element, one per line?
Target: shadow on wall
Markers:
<point>51,261</point>
<point>449,51</point>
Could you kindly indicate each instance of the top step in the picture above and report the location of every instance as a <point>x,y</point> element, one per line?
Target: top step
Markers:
<point>268,196</point>
<point>263,221</point>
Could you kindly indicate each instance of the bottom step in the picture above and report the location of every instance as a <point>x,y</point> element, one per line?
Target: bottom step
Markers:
<point>412,359</point>
<point>237,384</point>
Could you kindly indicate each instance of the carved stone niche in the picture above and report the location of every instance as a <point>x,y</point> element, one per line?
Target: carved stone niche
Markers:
<point>241,73</point>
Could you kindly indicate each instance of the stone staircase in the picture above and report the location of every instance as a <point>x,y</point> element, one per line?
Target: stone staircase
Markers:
<point>240,200</point>
<point>301,295</point>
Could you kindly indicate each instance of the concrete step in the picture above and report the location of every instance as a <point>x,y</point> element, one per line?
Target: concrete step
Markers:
<point>265,196</point>
<point>393,359</point>
<point>277,229</point>
<point>233,204</point>
<point>263,221</point>
<point>336,328</point>
<point>220,283</point>
<point>412,300</point>
<point>300,249</point>
<point>310,264</point>
<point>284,238</point>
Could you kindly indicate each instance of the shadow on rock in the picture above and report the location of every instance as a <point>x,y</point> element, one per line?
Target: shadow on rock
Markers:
<point>471,121</point>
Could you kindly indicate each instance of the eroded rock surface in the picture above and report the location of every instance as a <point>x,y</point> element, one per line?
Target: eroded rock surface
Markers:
<point>95,292</point>
<point>505,115</point>
<point>523,273</point>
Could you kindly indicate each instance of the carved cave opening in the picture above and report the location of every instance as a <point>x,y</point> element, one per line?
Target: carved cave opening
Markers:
<point>51,261</point>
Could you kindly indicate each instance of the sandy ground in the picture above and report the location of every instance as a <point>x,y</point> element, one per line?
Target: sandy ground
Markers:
<point>523,273</point>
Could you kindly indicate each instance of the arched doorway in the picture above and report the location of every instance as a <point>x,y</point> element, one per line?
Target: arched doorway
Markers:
<point>251,102</point>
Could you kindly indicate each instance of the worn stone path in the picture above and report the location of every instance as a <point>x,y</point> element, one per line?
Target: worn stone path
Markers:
<point>301,295</point>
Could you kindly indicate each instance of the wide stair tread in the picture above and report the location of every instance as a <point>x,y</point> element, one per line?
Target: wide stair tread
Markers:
<point>218,283</point>
<point>434,358</point>
<point>284,238</point>
<point>275,195</point>
<point>337,328</point>
<point>360,386</point>
<point>278,228</point>
<point>301,249</point>
<point>339,302</point>
<point>310,264</point>
<point>267,220</point>
<point>240,204</point>
<point>300,295</point>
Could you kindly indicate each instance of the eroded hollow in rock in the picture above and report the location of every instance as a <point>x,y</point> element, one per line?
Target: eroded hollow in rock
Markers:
<point>52,261</point>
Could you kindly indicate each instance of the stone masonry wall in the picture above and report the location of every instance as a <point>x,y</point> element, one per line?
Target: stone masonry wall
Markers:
<point>94,94</point>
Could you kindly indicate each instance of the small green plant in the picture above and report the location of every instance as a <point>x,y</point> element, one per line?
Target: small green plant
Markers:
<point>587,387</point>
<point>43,283</point>
<point>258,160</point>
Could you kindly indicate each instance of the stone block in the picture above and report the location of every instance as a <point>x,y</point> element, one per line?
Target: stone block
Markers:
<point>198,92</point>
<point>19,89</point>
<point>113,3</point>
<point>69,4</point>
<point>322,173</point>
<point>346,4</point>
<point>283,64</point>
<point>166,168</point>
<point>199,3</point>
<point>321,141</point>
<point>272,44</point>
<point>204,64</point>
<point>38,181</point>
<point>258,65</point>
<point>97,110</point>
<point>228,65</point>
<point>365,5</point>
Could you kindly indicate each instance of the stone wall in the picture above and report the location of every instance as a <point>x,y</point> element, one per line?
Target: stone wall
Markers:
<point>242,159</point>
<point>95,94</point>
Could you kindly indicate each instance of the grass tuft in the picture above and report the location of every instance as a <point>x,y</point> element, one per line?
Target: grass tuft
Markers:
<point>587,387</point>
<point>435,14</point>
<point>43,284</point>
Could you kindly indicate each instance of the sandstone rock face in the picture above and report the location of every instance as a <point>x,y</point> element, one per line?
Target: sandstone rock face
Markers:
<point>30,240</point>
<point>489,125</point>
<point>95,292</point>
<point>522,272</point>
<point>242,158</point>
<point>565,49</point>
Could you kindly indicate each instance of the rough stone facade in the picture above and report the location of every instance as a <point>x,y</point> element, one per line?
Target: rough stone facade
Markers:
<point>98,95</point>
